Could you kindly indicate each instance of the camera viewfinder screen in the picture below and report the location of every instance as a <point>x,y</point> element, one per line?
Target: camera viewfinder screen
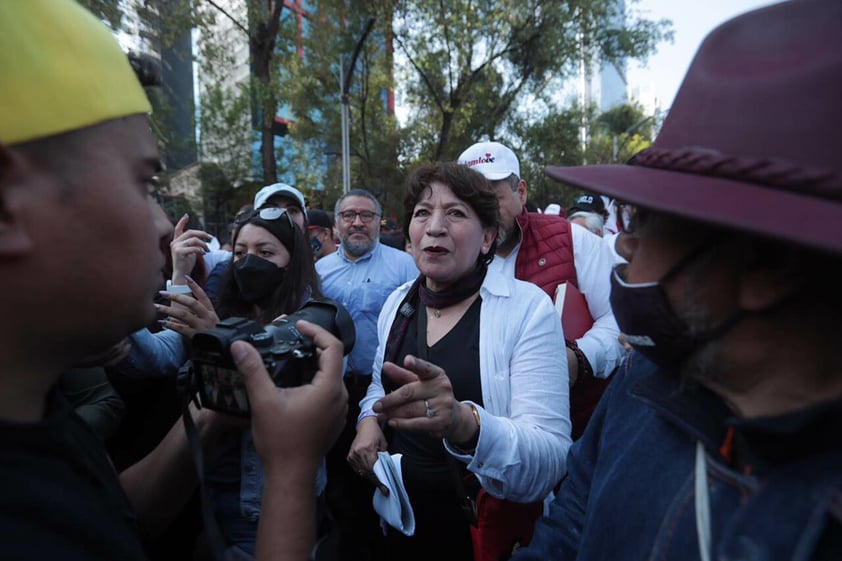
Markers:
<point>223,389</point>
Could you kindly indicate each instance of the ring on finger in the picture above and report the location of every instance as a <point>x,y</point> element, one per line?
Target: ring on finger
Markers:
<point>429,412</point>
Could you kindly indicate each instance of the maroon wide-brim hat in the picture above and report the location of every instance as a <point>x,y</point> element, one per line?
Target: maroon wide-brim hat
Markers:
<point>753,140</point>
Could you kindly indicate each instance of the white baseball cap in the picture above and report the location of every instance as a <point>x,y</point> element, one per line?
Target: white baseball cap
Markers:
<point>553,208</point>
<point>491,159</point>
<point>283,189</point>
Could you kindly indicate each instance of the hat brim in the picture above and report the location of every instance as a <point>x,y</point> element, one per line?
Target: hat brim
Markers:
<point>498,176</point>
<point>786,215</point>
<point>286,195</point>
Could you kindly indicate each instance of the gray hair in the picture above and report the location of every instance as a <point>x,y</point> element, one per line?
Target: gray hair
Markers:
<point>593,221</point>
<point>357,193</point>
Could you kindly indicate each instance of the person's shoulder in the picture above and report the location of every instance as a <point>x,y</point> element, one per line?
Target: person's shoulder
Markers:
<point>395,253</point>
<point>537,220</point>
<point>395,297</point>
<point>538,228</point>
<point>329,261</point>
<point>60,496</point>
<point>525,291</point>
<point>588,247</point>
<point>398,259</point>
<point>498,284</point>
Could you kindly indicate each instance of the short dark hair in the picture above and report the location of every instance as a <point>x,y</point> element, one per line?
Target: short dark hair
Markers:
<point>358,193</point>
<point>468,185</point>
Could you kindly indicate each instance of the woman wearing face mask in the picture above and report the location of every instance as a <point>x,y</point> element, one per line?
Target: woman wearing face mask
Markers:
<point>271,274</point>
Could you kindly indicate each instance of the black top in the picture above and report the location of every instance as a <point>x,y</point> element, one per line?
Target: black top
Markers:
<point>441,530</point>
<point>60,497</point>
<point>458,354</point>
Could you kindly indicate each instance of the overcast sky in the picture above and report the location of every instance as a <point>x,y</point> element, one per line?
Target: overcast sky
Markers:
<point>691,21</point>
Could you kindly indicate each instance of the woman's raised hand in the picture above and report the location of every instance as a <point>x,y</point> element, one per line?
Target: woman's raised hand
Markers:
<point>425,402</point>
<point>186,247</point>
<point>188,315</point>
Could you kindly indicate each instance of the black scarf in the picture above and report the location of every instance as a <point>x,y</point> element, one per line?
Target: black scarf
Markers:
<point>453,294</point>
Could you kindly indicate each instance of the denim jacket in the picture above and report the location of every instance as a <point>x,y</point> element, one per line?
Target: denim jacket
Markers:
<point>251,479</point>
<point>775,495</point>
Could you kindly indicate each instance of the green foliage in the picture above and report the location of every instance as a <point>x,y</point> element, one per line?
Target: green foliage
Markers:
<point>472,62</point>
<point>626,118</point>
<point>467,69</point>
<point>310,88</point>
<point>556,139</point>
<point>226,131</point>
<point>217,192</point>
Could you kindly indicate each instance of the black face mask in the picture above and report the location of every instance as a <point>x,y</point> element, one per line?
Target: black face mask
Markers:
<point>256,278</point>
<point>649,324</point>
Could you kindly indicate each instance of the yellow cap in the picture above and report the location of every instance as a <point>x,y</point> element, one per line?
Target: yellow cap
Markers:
<point>60,70</point>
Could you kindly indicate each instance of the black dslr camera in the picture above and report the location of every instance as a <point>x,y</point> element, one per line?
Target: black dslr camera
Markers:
<point>289,357</point>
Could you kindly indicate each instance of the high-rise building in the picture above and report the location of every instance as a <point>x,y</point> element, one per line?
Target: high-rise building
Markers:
<point>602,82</point>
<point>144,28</point>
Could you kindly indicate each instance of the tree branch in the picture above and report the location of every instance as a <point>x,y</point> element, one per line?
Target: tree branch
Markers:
<point>445,30</point>
<point>232,18</point>
<point>423,75</point>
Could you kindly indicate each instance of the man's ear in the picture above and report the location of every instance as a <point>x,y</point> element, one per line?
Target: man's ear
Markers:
<point>770,274</point>
<point>488,237</point>
<point>522,191</point>
<point>15,239</point>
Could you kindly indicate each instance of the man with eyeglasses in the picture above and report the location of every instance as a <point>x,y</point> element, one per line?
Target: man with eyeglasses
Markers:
<point>360,275</point>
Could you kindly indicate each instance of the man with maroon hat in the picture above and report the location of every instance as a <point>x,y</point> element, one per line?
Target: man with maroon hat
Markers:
<point>720,436</point>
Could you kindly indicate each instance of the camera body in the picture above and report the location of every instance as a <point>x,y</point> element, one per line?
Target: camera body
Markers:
<point>289,357</point>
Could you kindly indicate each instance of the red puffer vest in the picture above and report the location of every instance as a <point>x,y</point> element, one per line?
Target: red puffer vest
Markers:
<point>545,257</point>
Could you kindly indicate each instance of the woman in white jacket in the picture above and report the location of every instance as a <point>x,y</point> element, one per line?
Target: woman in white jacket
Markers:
<point>492,393</point>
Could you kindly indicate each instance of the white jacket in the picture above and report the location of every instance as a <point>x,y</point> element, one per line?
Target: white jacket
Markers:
<point>525,422</point>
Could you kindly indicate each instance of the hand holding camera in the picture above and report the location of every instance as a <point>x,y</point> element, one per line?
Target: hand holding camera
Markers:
<point>295,423</point>
<point>289,355</point>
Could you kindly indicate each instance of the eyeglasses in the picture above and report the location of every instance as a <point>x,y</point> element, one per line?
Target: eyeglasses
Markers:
<point>350,215</point>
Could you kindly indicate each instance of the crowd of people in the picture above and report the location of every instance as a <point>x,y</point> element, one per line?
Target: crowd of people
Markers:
<point>650,373</point>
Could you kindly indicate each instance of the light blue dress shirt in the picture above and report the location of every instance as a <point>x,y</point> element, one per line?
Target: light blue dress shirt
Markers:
<point>362,286</point>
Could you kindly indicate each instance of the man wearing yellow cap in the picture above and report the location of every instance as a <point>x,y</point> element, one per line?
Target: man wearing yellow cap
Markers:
<point>79,264</point>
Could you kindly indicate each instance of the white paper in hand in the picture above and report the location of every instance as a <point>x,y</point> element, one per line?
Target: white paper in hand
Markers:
<point>395,509</point>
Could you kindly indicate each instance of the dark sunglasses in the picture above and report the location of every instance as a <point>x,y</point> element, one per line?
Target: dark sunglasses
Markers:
<point>269,214</point>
